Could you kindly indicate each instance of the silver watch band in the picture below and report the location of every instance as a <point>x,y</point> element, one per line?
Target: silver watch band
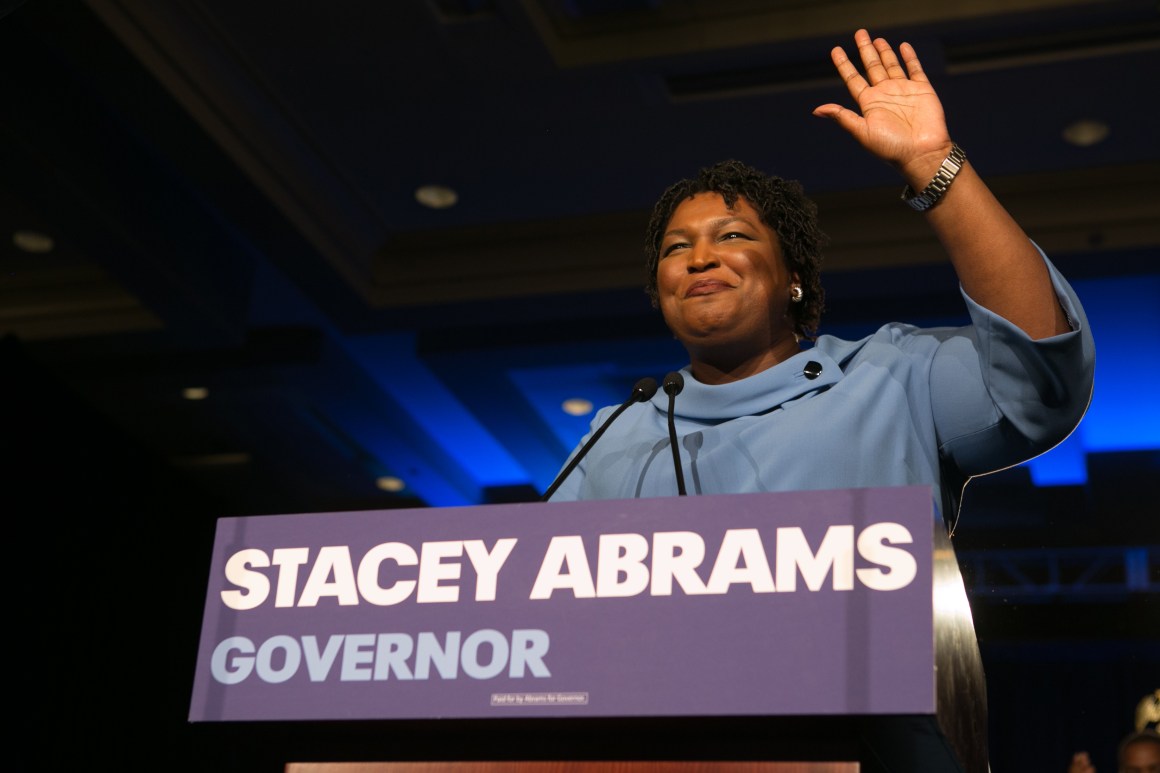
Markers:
<point>943,178</point>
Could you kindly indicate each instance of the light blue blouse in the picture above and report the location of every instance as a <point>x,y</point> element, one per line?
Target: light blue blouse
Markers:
<point>903,406</point>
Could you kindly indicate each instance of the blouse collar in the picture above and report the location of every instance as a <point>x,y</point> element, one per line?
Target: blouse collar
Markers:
<point>807,371</point>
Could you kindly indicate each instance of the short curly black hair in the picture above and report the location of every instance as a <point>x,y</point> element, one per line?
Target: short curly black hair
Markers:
<point>782,205</point>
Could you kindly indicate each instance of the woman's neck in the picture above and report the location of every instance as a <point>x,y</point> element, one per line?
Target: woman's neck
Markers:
<point>716,366</point>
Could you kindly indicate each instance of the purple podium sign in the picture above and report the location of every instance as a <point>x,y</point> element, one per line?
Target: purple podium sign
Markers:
<point>801,603</point>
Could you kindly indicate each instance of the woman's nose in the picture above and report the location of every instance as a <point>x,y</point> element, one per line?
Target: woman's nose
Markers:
<point>702,256</point>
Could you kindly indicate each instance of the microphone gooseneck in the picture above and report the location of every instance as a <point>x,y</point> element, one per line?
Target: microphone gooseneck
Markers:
<point>641,391</point>
<point>674,383</point>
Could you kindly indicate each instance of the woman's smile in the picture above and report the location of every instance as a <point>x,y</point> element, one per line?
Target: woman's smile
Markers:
<point>706,287</point>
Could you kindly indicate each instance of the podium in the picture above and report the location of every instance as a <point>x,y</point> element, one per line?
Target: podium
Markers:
<point>797,631</point>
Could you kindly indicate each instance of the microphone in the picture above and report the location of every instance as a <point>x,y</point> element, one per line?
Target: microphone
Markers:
<point>674,383</point>
<point>642,391</point>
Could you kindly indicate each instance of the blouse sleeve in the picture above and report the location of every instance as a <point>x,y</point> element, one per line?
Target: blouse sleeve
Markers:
<point>999,397</point>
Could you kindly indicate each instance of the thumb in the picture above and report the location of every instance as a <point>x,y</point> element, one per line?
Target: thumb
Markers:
<point>847,119</point>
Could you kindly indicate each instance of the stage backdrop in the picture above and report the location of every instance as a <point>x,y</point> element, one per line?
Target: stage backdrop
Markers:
<point>803,603</point>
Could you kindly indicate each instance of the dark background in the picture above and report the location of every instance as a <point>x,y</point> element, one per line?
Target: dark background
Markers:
<point>229,187</point>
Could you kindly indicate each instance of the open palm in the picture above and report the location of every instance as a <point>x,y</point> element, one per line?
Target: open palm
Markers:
<point>900,118</point>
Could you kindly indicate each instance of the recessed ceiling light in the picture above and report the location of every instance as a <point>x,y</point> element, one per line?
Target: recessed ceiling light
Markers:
<point>577,406</point>
<point>436,196</point>
<point>195,393</point>
<point>390,483</point>
<point>33,241</point>
<point>1086,133</point>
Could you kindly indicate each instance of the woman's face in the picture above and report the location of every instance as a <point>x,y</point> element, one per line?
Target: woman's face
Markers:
<point>722,280</point>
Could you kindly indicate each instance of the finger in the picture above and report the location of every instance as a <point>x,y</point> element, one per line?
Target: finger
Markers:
<point>913,66</point>
<point>849,120</point>
<point>855,83</point>
<point>875,72</point>
<point>889,60</point>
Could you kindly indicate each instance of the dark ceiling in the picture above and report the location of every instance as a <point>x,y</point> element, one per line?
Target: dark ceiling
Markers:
<point>230,193</point>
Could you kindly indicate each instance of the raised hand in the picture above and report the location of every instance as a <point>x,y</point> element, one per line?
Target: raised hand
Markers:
<point>899,118</point>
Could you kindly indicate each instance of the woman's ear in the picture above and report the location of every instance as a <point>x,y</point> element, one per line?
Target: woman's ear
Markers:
<point>795,287</point>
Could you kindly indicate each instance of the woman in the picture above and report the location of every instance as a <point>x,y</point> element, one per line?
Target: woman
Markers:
<point>733,265</point>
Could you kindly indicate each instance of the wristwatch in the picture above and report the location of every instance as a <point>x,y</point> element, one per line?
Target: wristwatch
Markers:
<point>943,178</point>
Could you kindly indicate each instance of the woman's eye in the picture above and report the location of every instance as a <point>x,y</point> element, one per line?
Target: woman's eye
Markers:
<point>668,250</point>
<point>734,235</point>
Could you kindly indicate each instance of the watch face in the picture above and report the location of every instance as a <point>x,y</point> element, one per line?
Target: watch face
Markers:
<point>919,202</point>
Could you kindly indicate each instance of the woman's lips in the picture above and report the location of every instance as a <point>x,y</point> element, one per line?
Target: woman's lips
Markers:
<point>705,287</point>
